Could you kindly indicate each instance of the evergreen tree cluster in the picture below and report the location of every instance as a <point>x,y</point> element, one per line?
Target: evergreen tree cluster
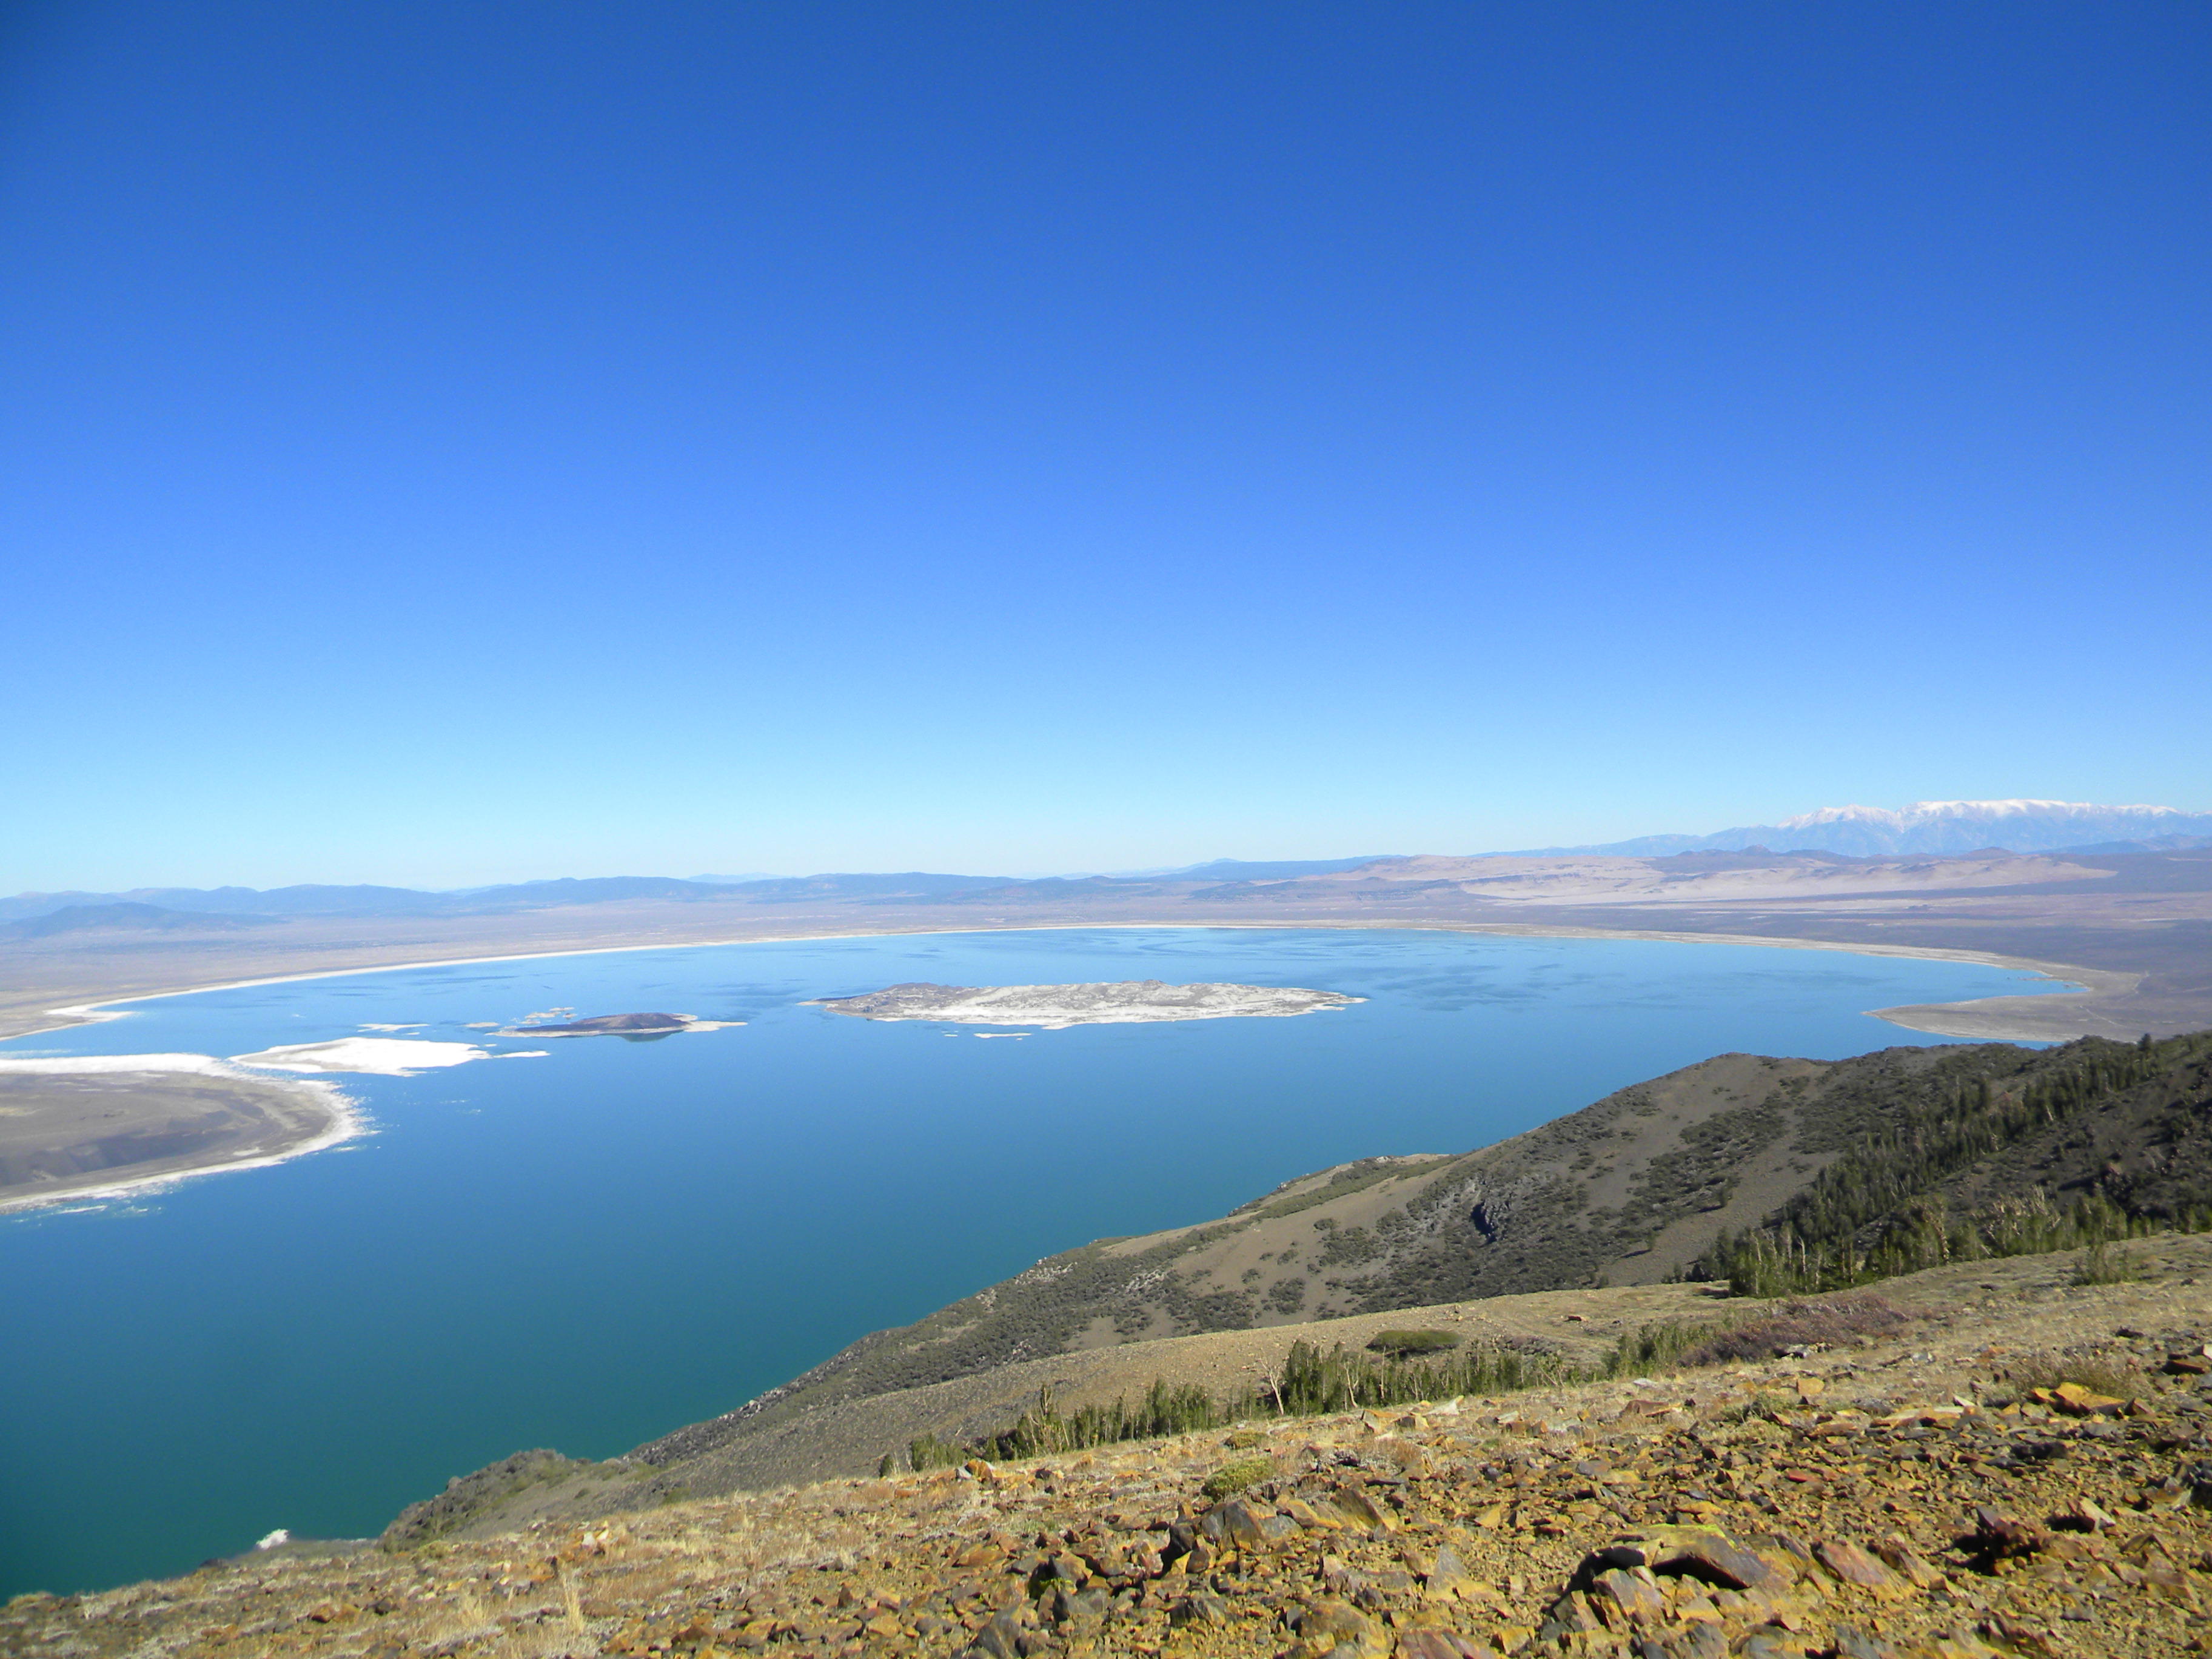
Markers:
<point>1312,1382</point>
<point>1876,1210</point>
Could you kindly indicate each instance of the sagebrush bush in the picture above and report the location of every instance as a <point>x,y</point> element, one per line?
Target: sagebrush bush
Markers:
<point>1796,1324</point>
<point>1232,1478</point>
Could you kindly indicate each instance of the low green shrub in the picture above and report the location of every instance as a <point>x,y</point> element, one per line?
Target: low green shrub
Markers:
<point>1656,1347</point>
<point>1232,1478</point>
<point>1403,1345</point>
<point>2100,1266</point>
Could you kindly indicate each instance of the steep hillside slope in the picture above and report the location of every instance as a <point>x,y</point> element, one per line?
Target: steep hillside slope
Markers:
<point>2095,1142</point>
<point>2147,1149</point>
<point>1632,1189</point>
<point>1651,1183</point>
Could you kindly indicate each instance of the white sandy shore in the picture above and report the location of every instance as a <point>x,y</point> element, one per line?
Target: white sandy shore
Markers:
<point>205,1065</point>
<point>383,1056</point>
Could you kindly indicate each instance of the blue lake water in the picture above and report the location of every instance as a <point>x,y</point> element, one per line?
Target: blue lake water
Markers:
<point>589,1250</point>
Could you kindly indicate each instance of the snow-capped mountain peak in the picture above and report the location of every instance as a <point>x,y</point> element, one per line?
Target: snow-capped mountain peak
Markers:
<point>1975,812</point>
<point>1939,827</point>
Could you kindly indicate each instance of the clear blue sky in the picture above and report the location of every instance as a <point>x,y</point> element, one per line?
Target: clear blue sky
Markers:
<point>444,443</point>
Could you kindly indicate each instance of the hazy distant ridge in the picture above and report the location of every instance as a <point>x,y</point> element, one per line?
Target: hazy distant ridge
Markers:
<point>1934,827</point>
<point>1924,829</point>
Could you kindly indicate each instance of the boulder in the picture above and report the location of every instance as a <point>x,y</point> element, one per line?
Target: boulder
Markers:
<point>1423,1643</point>
<point>1236,1525</point>
<point>1201,1609</point>
<point>1623,1599</point>
<point>1998,1536</point>
<point>1853,1566</point>
<point>1708,1553</point>
<point>999,1638</point>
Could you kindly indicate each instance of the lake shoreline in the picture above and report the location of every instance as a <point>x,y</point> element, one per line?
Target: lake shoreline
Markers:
<point>2093,982</point>
<point>521,1218</point>
<point>2011,1018</point>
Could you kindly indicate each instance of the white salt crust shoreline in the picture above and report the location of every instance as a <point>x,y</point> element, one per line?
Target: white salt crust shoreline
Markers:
<point>204,1065</point>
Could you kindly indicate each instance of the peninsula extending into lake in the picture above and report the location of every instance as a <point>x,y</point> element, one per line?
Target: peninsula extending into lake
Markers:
<point>1054,1007</point>
<point>74,1126</point>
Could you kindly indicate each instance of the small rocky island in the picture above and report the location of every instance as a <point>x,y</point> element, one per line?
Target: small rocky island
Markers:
<point>1054,1007</point>
<point>631,1025</point>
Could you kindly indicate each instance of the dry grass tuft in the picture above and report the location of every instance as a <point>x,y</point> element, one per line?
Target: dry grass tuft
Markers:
<point>542,1642</point>
<point>2098,1376</point>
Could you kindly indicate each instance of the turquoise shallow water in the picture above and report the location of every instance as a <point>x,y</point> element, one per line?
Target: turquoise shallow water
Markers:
<point>589,1250</point>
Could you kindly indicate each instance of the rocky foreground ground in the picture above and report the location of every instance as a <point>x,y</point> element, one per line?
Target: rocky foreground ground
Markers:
<point>2026,1470</point>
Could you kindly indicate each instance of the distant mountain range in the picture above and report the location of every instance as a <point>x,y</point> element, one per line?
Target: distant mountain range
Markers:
<point>1943,826</point>
<point>224,906</point>
<point>1924,829</point>
<point>124,917</point>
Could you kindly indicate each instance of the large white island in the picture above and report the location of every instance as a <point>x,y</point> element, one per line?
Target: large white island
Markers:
<point>1054,1007</point>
